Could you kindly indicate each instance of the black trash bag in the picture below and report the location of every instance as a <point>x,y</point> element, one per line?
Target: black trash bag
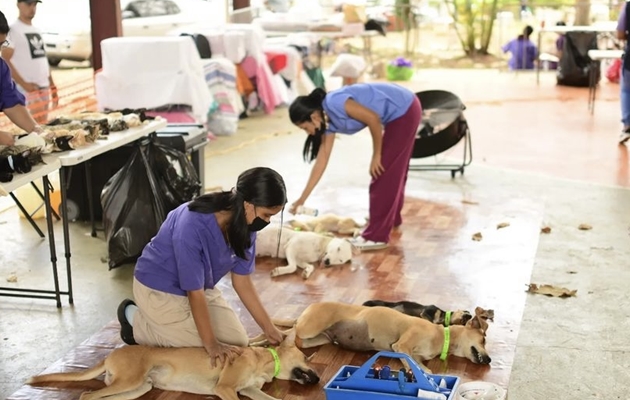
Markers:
<point>575,65</point>
<point>136,200</point>
<point>176,175</point>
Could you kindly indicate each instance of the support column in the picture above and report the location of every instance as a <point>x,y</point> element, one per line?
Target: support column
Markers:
<point>242,16</point>
<point>106,23</point>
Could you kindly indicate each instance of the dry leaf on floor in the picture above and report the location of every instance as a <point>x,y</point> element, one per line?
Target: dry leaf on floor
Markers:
<point>477,237</point>
<point>585,227</point>
<point>545,229</point>
<point>503,225</point>
<point>12,278</point>
<point>470,202</point>
<point>551,290</point>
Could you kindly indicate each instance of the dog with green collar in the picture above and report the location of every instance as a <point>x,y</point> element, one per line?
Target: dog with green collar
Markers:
<point>430,312</point>
<point>131,371</point>
<point>362,328</point>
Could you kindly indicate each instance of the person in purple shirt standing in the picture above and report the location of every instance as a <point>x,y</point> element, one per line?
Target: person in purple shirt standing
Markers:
<point>523,50</point>
<point>624,82</point>
<point>392,114</point>
<point>12,102</point>
<point>177,303</point>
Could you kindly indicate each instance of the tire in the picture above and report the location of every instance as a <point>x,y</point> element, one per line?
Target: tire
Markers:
<point>73,210</point>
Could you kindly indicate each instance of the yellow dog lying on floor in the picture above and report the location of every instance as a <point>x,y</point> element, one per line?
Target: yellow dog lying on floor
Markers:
<point>329,223</point>
<point>362,328</point>
<point>132,371</point>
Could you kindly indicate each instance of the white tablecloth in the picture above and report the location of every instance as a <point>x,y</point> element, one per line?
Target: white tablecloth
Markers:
<point>152,72</point>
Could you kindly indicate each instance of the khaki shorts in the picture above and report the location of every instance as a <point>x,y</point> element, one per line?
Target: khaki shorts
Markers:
<point>165,319</point>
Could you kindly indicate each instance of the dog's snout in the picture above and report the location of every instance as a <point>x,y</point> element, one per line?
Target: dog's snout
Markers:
<point>486,359</point>
<point>304,377</point>
<point>327,262</point>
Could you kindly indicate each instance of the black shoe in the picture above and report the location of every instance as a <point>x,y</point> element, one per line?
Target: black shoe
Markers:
<point>126,330</point>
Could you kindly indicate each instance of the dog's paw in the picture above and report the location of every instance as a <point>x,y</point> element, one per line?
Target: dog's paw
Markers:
<point>307,273</point>
<point>275,272</point>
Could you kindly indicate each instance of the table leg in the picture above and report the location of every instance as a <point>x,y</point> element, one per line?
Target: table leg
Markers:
<point>88,184</point>
<point>66,230</point>
<point>27,215</point>
<point>592,85</point>
<point>538,63</point>
<point>51,240</point>
<point>41,195</point>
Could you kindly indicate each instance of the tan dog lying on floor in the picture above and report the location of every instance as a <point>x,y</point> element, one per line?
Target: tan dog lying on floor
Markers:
<point>329,223</point>
<point>132,371</point>
<point>362,328</point>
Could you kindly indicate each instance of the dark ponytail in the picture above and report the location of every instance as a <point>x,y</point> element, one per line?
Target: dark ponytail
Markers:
<point>312,145</point>
<point>262,187</point>
<point>300,111</point>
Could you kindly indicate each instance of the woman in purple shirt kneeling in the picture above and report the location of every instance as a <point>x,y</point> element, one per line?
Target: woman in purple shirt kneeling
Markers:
<point>177,303</point>
<point>392,114</point>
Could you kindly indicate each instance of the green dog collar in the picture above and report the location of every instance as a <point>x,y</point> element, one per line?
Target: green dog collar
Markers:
<point>447,319</point>
<point>276,361</point>
<point>447,342</point>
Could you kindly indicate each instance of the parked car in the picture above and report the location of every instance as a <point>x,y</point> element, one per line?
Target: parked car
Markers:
<point>71,40</point>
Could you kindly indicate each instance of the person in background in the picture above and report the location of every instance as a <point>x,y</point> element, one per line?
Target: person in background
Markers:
<point>524,51</point>
<point>392,114</point>
<point>11,100</point>
<point>624,82</point>
<point>26,56</point>
<point>177,303</point>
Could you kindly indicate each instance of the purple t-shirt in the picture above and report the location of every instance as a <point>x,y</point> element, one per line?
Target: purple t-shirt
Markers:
<point>189,253</point>
<point>524,52</point>
<point>9,95</point>
<point>388,100</point>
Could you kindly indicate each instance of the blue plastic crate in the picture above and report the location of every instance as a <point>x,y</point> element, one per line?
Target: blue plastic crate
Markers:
<point>359,383</point>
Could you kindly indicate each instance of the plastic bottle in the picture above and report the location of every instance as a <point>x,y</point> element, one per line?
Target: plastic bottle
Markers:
<point>425,394</point>
<point>307,211</point>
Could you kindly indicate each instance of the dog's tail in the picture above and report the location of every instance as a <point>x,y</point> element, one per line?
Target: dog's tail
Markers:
<point>86,375</point>
<point>283,322</point>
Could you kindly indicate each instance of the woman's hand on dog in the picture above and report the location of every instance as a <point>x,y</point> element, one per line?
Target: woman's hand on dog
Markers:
<point>274,335</point>
<point>222,352</point>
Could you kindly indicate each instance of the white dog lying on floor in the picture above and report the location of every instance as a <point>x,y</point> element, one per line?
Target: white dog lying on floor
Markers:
<point>302,249</point>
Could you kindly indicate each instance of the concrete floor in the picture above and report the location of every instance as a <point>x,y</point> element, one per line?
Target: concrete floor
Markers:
<point>567,348</point>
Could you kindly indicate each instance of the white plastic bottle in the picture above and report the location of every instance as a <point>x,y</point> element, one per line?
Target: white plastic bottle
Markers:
<point>427,395</point>
<point>307,211</point>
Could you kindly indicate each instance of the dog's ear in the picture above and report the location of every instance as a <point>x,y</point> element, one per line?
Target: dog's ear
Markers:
<point>289,340</point>
<point>478,323</point>
<point>484,314</point>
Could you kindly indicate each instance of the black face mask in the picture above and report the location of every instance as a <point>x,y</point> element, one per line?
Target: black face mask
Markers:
<point>257,224</point>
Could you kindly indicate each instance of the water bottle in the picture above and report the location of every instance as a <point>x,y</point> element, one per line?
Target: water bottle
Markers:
<point>307,211</point>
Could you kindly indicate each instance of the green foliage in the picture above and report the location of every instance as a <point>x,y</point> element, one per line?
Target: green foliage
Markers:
<point>474,23</point>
